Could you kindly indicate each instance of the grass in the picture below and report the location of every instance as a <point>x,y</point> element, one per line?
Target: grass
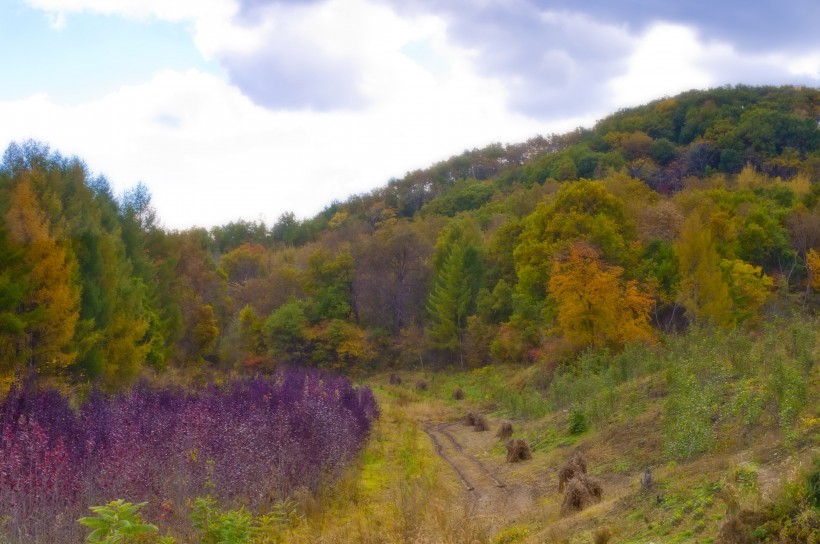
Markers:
<point>396,492</point>
<point>761,445</point>
<point>759,431</point>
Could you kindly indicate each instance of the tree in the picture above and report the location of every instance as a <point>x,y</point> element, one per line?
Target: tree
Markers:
<point>329,285</point>
<point>452,298</point>
<point>51,306</point>
<point>581,210</point>
<point>595,306</point>
<point>390,278</point>
<point>285,332</point>
<point>749,288</point>
<point>201,294</point>
<point>813,264</point>
<point>136,203</point>
<point>14,288</point>
<point>243,263</point>
<point>702,290</point>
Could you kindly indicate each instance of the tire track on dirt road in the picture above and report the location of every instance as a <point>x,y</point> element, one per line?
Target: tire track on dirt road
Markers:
<point>473,474</point>
<point>487,496</point>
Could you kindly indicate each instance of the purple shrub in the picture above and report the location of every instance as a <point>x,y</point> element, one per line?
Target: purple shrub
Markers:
<point>250,442</point>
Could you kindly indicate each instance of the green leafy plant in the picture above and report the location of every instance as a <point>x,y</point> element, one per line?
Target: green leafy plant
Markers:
<point>240,526</point>
<point>232,527</point>
<point>577,420</point>
<point>117,522</point>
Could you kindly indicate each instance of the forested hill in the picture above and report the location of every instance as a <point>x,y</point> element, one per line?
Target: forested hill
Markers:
<point>695,209</point>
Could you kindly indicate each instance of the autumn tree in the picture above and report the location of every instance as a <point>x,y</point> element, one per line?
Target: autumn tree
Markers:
<point>749,288</point>
<point>392,268</point>
<point>702,290</point>
<point>243,263</point>
<point>202,295</point>
<point>581,210</point>
<point>14,288</point>
<point>596,307</point>
<point>51,306</point>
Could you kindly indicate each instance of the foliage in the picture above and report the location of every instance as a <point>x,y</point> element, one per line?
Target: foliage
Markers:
<point>453,296</point>
<point>217,526</point>
<point>116,522</point>
<point>595,307</point>
<point>703,291</point>
<point>252,441</point>
<point>581,210</point>
<point>707,200</point>
<point>577,421</point>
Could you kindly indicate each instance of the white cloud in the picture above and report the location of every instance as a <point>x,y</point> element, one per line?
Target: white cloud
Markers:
<point>667,59</point>
<point>670,58</point>
<point>210,155</point>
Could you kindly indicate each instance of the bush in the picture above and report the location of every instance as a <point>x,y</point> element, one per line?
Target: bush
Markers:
<point>577,421</point>
<point>118,521</point>
<point>252,442</point>
<point>687,417</point>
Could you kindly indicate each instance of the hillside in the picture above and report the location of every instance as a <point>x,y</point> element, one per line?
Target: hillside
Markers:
<point>715,187</point>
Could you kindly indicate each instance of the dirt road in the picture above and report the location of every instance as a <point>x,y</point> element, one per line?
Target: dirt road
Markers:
<point>487,495</point>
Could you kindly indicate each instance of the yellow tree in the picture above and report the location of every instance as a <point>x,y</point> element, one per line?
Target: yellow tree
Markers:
<point>702,290</point>
<point>51,305</point>
<point>749,288</point>
<point>813,262</point>
<point>595,306</point>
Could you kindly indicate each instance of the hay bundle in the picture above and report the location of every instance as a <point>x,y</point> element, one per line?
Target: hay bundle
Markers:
<point>575,466</point>
<point>458,394</point>
<point>582,492</point>
<point>481,423</point>
<point>395,379</point>
<point>505,431</point>
<point>421,385</point>
<point>470,419</point>
<point>734,531</point>
<point>601,535</point>
<point>518,450</point>
<point>738,524</point>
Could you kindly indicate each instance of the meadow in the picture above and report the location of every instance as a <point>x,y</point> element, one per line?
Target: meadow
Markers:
<point>726,422</point>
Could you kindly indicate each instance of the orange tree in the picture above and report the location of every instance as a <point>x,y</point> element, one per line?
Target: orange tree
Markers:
<point>596,307</point>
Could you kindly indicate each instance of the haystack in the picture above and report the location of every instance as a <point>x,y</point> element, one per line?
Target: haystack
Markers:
<point>518,450</point>
<point>573,467</point>
<point>481,423</point>
<point>582,492</point>
<point>458,394</point>
<point>395,379</point>
<point>421,385</point>
<point>505,431</point>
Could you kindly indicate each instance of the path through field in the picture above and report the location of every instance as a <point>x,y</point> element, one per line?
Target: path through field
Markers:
<point>488,494</point>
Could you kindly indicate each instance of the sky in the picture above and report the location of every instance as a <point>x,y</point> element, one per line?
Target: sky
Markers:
<point>246,109</point>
